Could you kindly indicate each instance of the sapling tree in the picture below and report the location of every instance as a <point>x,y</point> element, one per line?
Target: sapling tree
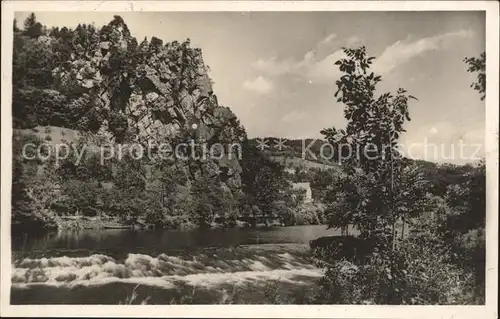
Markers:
<point>376,194</point>
<point>380,188</point>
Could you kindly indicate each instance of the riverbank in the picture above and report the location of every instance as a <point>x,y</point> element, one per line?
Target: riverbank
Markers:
<point>99,222</point>
<point>103,221</point>
<point>85,222</point>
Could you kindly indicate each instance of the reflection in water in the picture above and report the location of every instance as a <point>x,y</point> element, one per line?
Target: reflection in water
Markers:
<point>128,241</point>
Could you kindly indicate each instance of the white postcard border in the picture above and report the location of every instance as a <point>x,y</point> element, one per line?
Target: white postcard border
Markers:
<point>489,311</point>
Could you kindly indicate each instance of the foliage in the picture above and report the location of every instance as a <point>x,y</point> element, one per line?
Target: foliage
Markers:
<point>372,197</point>
<point>80,197</point>
<point>419,272</point>
<point>441,176</point>
<point>464,225</point>
<point>321,180</point>
<point>430,265</point>
<point>478,65</point>
<point>32,196</point>
<point>468,201</point>
<point>207,197</point>
<point>263,180</point>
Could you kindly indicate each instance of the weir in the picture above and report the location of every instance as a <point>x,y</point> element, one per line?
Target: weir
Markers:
<point>209,269</point>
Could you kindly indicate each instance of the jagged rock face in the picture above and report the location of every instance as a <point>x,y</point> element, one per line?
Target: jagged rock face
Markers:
<point>147,127</point>
<point>155,120</point>
<point>155,93</point>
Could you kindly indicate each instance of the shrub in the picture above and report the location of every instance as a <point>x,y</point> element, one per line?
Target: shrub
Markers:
<point>177,222</point>
<point>420,271</point>
<point>470,254</point>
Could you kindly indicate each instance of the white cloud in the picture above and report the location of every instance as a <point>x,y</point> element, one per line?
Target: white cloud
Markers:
<point>259,84</point>
<point>324,70</point>
<point>403,51</point>
<point>318,63</point>
<point>275,67</point>
<point>445,142</point>
<point>354,40</point>
<point>311,68</point>
<point>328,39</point>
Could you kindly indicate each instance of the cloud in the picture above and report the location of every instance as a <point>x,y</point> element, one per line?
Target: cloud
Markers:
<point>259,84</point>
<point>324,70</point>
<point>401,52</point>
<point>353,41</point>
<point>328,39</point>
<point>310,67</point>
<point>445,142</point>
<point>274,67</point>
<point>317,64</point>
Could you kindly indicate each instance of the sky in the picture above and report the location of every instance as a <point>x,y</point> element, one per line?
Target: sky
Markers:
<point>276,71</point>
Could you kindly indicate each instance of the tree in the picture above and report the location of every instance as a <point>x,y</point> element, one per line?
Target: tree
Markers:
<point>208,200</point>
<point>33,62</point>
<point>16,28</point>
<point>379,188</point>
<point>478,65</point>
<point>321,180</point>
<point>262,179</point>
<point>370,197</point>
<point>32,28</point>
<point>21,203</point>
<point>32,195</point>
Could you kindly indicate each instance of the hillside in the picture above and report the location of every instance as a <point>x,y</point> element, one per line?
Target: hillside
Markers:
<point>300,163</point>
<point>294,153</point>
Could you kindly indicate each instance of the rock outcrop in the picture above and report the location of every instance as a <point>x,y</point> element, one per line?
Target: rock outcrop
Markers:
<point>154,93</point>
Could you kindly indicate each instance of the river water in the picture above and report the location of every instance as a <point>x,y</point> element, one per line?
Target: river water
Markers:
<point>163,267</point>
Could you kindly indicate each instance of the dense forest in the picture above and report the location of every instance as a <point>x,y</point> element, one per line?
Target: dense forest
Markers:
<point>426,220</point>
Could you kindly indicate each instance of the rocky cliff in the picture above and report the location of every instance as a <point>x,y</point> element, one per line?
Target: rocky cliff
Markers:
<point>152,93</point>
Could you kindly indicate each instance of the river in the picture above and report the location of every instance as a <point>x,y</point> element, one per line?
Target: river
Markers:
<point>163,267</point>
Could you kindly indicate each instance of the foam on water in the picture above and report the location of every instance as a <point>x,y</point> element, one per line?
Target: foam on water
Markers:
<point>242,277</point>
<point>164,271</point>
<point>95,282</point>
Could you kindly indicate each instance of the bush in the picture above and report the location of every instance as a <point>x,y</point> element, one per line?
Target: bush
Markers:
<point>470,254</point>
<point>419,272</point>
<point>177,222</point>
<point>309,215</point>
<point>155,219</point>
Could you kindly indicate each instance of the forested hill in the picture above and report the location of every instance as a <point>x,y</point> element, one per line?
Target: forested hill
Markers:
<point>301,155</point>
<point>308,149</point>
